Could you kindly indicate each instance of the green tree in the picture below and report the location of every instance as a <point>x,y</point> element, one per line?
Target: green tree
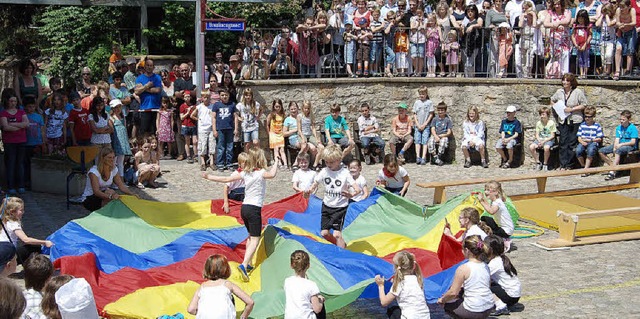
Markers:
<point>74,37</point>
<point>16,36</point>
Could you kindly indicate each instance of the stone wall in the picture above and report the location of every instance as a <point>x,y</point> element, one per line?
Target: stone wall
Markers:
<point>491,96</point>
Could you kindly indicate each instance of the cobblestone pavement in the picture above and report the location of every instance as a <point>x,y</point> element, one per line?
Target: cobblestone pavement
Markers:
<point>596,281</point>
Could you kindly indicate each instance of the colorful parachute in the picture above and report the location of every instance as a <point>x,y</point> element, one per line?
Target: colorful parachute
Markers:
<point>144,259</point>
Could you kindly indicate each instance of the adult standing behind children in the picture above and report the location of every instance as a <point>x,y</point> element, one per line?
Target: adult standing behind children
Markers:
<point>100,178</point>
<point>574,103</point>
<point>14,123</point>
<point>149,89</point>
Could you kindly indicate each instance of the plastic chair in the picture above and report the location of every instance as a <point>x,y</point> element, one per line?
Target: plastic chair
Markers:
<point>80,155</point>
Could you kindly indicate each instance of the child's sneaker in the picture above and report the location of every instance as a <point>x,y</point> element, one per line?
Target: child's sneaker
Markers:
<point>243,273</point>
<point>545,167</point>
<point>249,268</point>
<point>367,159</point>
<point>507,245</point>
<point>485,164</point>
<point>401,158</point>
<point>467,163</point>
<point>419,161</point>
<point>501,311</point>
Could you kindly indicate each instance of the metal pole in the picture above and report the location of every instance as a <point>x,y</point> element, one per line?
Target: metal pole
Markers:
<point>199,37</point>
<point>144,43</point>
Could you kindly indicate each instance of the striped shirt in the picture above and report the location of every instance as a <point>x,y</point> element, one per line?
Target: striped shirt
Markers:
<point>590,132</point>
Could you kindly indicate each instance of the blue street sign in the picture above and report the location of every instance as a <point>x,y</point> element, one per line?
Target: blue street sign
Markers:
<point>224,26</point>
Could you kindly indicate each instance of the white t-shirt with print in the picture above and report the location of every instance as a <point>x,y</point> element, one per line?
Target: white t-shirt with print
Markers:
<point>335,182</point>
<point>411,299</point>
<point>397,181</point>
<point>298,292</point>
<point>250,121</point>
<point>55,122</point>
<point>254,187</point>
<point>100,138</point>
<point>304,178</point>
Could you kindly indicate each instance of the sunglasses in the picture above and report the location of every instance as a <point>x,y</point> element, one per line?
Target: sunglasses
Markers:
<point>589,116</point>
<point>86,73</point>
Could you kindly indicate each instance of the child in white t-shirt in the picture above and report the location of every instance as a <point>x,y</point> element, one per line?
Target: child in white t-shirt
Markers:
<point>303,178</point>
<point>303,298</point>
<point>497,208</point>
<point>337,181</point>
<point>234,190</point>
<point>407,288</point>
<point>393,177</point>
<point>505,285</point>
<point>469,220</point>
<point>355,168</point>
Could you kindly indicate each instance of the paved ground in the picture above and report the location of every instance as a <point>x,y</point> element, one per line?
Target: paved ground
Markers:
<point>594,281</point>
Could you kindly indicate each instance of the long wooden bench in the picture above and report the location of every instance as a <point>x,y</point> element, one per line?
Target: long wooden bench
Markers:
<point>568,224</point>
<point>439,195</point>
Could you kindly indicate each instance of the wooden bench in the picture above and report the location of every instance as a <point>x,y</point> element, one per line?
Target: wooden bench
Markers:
<point>439,195</point>
<point>568,223</point>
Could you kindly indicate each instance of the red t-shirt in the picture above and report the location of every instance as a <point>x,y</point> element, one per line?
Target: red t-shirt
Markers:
<point>14,137</point>
<point>188,121</point>
<point>81,126</point>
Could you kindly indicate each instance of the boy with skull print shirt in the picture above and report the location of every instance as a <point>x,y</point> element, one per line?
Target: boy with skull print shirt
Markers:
<point>336,180</point>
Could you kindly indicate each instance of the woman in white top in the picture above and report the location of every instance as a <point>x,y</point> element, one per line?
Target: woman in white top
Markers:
<point>407,288</point>
<point>97,191</point>
<point>303,298</point>
<point>505,284</point>
<point>469,220</point>
<point>477,299</point>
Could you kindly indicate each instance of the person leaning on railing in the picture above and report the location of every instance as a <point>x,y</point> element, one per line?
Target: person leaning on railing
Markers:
<point>280,62</point>
<point>257,69</point>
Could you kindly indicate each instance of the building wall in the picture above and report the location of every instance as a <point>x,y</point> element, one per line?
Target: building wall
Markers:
<point>490,96</point>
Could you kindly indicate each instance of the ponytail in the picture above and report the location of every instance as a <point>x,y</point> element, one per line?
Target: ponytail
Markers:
<point>496,245</point>
<point>485,228</point>
<point>508,266</point>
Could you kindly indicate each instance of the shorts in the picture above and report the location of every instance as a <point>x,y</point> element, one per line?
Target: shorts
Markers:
<point>622,150</point>
<point>311,140</point>
<point>189,130</point>
<point>395,140</point>
<point>363,52</point>
<point>236,194</point>
<point>206,143</point>
<point>547,143</point>
<point>252,218</point>
<point>477,141</point>
<point>421,138</point>
<point>92,203</point>
<point>332,217</point>
<point>509,145</point>
<point>250,136</point>
<point>591,149</point>
<point>342,141</point>
<point>417,50</point>
<point>628,42</point>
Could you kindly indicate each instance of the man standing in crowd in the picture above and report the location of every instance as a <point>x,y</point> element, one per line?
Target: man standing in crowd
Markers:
<point>149,89</point>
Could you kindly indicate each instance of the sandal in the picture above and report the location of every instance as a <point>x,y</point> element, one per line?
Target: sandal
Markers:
<point>616,76</point>
<point>140,186</point>
<point>506,165</point>
<point>610,176</point>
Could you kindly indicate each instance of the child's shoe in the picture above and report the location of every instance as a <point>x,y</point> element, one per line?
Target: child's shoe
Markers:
<point>467,163</point>
<point>545,167</point>
<point>507,245</point>
<point>484,164</point>
<point>243,273</point>
<point>501,311</point>
<point>419,161</point>
<point>366,72</point>
<point>250,268</point>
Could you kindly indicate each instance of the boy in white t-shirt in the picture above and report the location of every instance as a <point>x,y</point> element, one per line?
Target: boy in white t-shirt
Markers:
<point>304,177</point>
<point>355,168</point>
<point>206,140</point>
<point>336,180</point>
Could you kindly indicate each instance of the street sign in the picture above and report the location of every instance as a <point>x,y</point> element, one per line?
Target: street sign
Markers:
<point>224,26</point>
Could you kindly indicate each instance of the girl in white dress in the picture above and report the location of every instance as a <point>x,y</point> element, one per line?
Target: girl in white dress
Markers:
<point>214,299</point>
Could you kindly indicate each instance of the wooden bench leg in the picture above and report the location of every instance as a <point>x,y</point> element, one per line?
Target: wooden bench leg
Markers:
<point>542,184</point>
<point>439,195</point>
<point>567,224</point>
<point>634,177</point>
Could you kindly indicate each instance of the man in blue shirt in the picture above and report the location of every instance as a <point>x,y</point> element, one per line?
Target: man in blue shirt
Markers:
<point>149,89</point>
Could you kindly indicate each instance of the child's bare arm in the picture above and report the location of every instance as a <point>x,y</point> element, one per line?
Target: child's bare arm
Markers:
<point>271,173</point>
<point>405,186</point>
<point>225,198</point>
<point>221,179</point>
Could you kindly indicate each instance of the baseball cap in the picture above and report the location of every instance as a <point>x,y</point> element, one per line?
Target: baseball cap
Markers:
<point>115,103</point>
<point>511,108</point>
<point>75,300</point>
<point>362,22</point>
<point>403,106</point>
<point>7,253</point>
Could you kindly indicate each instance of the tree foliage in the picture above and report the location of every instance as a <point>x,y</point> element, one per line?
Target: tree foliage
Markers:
<point>74,37</point>
<point>16,36</point>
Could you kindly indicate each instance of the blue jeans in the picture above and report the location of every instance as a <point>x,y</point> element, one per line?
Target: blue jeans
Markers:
<point>224,148</point>
<point>307,71</point>
<point>390,55</point>
<point>376,141</point>
<point>591,150</point>
<point>14,155</point>
<point>622,150</point>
